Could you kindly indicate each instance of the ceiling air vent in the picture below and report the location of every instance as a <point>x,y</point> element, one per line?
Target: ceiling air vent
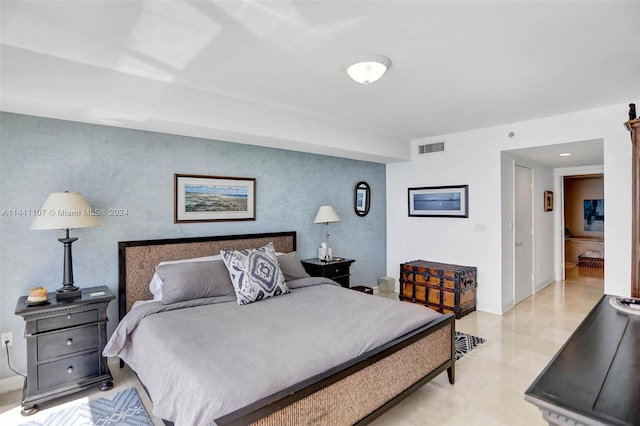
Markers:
<point>430,148</point>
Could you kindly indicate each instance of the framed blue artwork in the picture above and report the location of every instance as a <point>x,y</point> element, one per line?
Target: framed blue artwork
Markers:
<point>594,215</point>
<point>439,201</point>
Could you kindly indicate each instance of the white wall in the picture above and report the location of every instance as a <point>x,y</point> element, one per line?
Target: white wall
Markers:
<point>474,158</point>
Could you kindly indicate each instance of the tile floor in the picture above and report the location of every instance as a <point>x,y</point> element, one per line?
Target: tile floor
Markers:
<point>490,381</point>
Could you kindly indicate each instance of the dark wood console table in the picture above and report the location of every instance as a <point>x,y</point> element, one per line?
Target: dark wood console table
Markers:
<point>595,378</point>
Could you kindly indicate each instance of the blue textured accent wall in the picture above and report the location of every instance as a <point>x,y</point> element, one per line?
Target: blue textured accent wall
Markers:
<point>133,170</point>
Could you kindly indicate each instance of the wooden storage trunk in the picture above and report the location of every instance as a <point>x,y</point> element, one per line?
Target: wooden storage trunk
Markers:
<point>440,286</point>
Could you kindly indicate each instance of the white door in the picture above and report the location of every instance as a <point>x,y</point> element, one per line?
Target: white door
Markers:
<point>523,250</point>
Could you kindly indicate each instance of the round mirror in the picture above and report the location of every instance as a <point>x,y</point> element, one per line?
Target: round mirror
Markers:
<point>362,198</point>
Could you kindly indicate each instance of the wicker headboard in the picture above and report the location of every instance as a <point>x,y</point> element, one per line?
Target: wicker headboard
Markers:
<point>138,259</point>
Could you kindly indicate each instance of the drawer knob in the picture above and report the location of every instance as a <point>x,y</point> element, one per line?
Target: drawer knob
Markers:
<point>68,316</point>
<point>69,342</point>
<point>337,270</point>
<point>70,370</point>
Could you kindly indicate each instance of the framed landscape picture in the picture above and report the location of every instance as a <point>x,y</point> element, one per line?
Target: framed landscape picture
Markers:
<point>200,198</point>
<point>439,201</point>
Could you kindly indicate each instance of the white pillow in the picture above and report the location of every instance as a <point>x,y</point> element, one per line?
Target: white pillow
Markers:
<point>155,285</point>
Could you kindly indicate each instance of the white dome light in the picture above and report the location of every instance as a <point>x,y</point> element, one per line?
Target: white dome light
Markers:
<point>368,69</point>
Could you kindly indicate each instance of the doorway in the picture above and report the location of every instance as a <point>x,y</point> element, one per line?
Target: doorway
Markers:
<point>583,220</point>
<point>523,235</point>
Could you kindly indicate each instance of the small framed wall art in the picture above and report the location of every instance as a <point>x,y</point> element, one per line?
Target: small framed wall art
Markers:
<point>439,201</point>
<point>548,201</point>
<point>199,198</point>
<point>362,198</point>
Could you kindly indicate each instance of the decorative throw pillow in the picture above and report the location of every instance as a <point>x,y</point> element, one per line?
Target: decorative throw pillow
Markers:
<point>255,273</point>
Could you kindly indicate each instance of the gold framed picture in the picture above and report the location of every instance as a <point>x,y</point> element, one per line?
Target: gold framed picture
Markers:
<point>548,201</point>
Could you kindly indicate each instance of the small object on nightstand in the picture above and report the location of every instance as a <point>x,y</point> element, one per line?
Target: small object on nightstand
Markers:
<point>38,302</point>
<point>37,295</point>
<point>336,269</point>
<point>65,339</point>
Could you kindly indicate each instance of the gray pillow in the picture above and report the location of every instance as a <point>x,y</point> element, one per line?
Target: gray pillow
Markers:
<point>194,280</point>
<point>291,266</point>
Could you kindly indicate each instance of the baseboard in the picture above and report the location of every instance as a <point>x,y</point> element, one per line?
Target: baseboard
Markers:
<point>12,383</point>
<point>508,306</point>
<point>545,284</point>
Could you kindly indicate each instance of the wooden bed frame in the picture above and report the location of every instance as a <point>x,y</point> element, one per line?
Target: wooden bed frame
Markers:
<point>355,392</point>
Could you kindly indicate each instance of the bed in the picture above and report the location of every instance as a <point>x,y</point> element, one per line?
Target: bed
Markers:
<point>329,355</point>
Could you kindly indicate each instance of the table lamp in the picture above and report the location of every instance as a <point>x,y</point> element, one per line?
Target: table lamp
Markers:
<point>66,210</point>
<point>325,215</point>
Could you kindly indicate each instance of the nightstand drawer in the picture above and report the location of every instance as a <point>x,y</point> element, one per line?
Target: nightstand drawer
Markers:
<point>67,342</point>
<point>72,369</point>
<point>335,270</point>
<point>67,320</point>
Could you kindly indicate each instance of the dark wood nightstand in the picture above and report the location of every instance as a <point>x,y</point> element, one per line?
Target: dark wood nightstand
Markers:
<point>337,269</point>
<point>65,339</point>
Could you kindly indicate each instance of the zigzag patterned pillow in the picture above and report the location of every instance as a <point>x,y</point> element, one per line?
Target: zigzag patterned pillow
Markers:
<point>255,273</point>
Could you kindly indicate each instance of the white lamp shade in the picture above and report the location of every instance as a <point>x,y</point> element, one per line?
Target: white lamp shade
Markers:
<point>368,69</point>
<point>65,210</point>
<point>326,214</point>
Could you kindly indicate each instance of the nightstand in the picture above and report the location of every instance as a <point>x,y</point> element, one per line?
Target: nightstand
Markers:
<point>337,269</point>
<point>65,339</point>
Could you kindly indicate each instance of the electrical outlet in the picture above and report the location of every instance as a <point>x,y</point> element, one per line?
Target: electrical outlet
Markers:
<point>7,337</point>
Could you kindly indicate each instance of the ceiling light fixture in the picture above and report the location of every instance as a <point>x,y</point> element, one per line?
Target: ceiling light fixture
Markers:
<point>367,69</point>
<point>566,154</point>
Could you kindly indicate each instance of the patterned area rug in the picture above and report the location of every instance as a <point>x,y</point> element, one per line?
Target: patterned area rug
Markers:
<point>123,408</point>
<point>466,343</point>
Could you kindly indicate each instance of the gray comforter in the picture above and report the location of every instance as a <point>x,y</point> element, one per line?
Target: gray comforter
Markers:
<point>208,357</point>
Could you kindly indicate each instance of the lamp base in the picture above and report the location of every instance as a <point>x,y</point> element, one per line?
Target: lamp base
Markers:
<point>68,292</point>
